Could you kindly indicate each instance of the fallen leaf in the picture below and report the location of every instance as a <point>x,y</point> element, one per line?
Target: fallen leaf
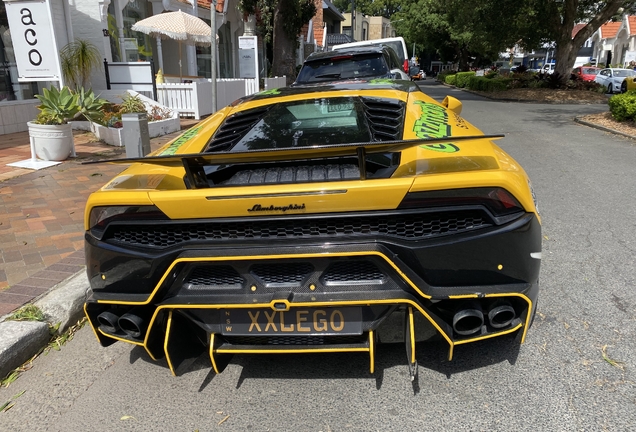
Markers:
<point>28,214</point>
<point>225,418</point>
<point>127,417</point>
<point>7,407</point>
<point>96,174</point>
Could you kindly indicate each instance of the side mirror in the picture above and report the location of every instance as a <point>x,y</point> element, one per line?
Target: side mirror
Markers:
<point>452,104</point>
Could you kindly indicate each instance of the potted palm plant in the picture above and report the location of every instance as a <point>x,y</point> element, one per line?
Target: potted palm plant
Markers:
<point>51,131</point>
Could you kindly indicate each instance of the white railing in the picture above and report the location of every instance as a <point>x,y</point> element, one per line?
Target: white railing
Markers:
<point>194,99</point>
<point>182,98</point>
<point>251,86</point>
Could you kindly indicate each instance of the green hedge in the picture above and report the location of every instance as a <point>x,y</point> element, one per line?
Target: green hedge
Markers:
<point>462,78</point>
<point>441,77</point>
<point>623,106</point>
<point>450,79</point>
<point>480,83</point>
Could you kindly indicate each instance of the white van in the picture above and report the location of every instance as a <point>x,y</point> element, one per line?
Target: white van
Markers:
<point>397,43</point>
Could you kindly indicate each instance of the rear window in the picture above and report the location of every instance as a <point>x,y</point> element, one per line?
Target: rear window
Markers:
<point>590,71</point>
<point>304,124</point>
<point>623,73</point>
<point>343,67</point>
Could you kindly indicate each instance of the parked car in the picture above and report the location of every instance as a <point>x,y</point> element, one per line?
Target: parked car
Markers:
<point>629,83</point>
<point>548,68</point>
<point>397,43</point>
<point>585,73</point>
<point>352,63</point>
<point>612,78</point>
<point>419,76</point>
<point>313,219</point>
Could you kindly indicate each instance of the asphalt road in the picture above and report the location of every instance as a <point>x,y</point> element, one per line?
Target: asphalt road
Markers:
<point>576,370</point>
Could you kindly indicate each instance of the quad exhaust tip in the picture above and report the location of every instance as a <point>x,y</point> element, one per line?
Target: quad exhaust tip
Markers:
<point>108,321</point>
<point>501,314</point>
<point>469,320</point>
<point>131,324</point>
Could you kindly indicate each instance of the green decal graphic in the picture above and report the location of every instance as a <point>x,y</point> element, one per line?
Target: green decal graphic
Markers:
<point>433,123</point>
<point>172,149</point>
<point>272,92</point>
<point>444,148</point>
<point>381,81</point>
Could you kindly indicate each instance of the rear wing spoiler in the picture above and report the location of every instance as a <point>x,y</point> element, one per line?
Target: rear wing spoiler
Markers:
<point>193,163</point>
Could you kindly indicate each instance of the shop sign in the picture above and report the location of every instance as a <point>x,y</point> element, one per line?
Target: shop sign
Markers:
<point>33,40</point>
<point>248,59</point>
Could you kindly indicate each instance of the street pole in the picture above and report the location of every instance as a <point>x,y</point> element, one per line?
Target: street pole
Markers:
<point>213,53</point>
<point>353,19</point>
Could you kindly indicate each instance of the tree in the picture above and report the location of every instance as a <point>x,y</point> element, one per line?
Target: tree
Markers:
<point>560,18</point>
<point>459,33</point>
<point>385,8</point>
<point>78,59</point>
<point>282,27</point>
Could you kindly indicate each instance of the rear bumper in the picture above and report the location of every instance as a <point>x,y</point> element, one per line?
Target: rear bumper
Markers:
<point>180,302</point>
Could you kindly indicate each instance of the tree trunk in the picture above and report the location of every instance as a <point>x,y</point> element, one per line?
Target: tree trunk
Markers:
<point>565,56</point>
<point>284,59</point>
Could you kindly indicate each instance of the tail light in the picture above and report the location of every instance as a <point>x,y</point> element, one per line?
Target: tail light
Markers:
<point>101,217</point>
<point>498,201</point>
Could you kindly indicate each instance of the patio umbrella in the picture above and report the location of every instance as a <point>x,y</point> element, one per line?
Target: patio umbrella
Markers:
<point>179,26</point>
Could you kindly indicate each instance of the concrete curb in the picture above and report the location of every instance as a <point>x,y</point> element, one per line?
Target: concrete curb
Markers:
<point>603,128</point>
<point>64,304</point>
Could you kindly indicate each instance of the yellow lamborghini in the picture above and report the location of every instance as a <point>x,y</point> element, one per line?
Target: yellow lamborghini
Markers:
<point>315,219</point>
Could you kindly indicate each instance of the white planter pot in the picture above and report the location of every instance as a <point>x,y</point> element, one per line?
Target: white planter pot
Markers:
<point>113,136</point>
<point>52,142</point>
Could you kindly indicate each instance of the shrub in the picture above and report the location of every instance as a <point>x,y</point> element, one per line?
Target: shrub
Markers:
<point>521,80</point>
<point>623,106</point>
<point>492,73</point>
<point>131,104</point>
<point>461,78</point>
<point>450,79</point>
<point>485,84</point>
<point>441,77</point>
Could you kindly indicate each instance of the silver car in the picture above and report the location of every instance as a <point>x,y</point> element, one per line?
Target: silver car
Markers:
<point>612,78</point>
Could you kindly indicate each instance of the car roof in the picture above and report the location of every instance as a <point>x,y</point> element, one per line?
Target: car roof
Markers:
<point>371,49</point>
<point>314,90</point>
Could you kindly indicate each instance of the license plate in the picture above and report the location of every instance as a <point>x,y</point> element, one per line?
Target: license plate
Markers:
<point>318,321</point>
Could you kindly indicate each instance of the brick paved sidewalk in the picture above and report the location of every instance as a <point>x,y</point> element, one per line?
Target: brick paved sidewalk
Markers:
<point>42,214</point>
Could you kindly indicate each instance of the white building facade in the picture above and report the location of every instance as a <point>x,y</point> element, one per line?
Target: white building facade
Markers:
<point>107,25</point>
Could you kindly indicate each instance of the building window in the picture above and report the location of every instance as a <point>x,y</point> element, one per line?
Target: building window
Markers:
<point>347,30</point>
<point>137,45</point>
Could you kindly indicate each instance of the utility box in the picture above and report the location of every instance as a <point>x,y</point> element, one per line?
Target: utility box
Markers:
<point>135,134</point>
